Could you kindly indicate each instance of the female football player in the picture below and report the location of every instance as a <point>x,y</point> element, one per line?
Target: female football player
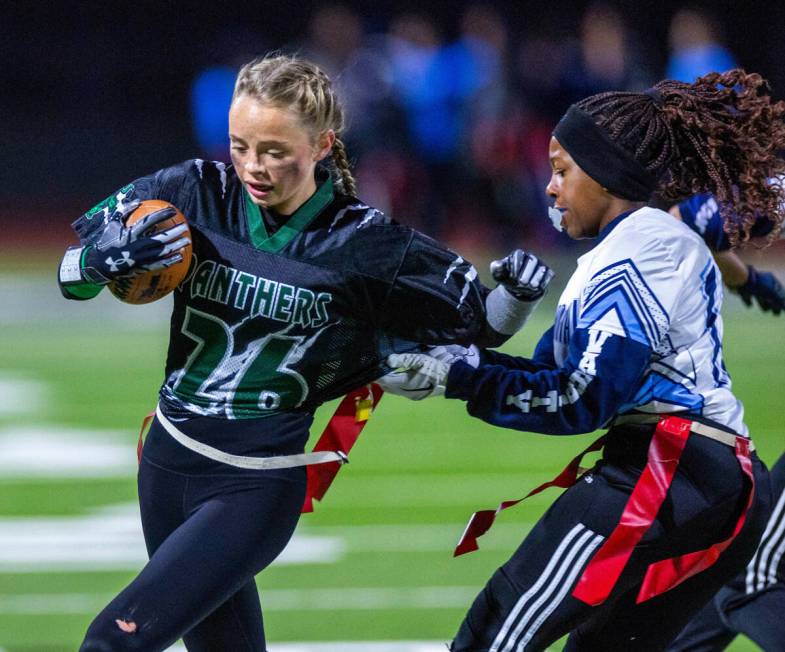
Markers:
<point>298,292</point>
<point>675,507</point>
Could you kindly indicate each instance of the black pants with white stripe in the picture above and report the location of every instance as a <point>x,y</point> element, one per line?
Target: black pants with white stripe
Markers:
<point>528,603</point>
<point>752,604</point>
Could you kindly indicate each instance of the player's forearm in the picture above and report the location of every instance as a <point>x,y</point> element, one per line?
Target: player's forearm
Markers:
<point>579,397</point>
<point>734,269</point>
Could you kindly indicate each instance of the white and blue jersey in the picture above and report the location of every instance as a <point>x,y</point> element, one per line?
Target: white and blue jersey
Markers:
<point>637,330</point>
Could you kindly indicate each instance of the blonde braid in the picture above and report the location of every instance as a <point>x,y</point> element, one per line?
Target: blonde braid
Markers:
<point>341,160</point>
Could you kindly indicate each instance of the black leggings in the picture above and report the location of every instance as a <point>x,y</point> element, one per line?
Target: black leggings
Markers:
<point>207,536</point>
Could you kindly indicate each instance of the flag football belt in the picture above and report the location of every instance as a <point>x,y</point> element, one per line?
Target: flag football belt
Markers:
<point>722,436</point>
<point>322,464</point>
<point>665,449</point>
<point>244,461</point>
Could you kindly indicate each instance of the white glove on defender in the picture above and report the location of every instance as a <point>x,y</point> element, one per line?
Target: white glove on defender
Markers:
<point>422,375</point>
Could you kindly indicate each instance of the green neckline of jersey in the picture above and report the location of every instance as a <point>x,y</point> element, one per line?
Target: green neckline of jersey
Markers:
<point>301,218</point>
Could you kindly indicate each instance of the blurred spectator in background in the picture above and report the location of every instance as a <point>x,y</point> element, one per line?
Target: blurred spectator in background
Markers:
<point>450,133</point>
<point>445,88</point>
<point>604,57</point>
<point>361,67</point>
<point>554,70</point>
<point>213,85</point>
<point>211,95</point>
<point>696,47</point>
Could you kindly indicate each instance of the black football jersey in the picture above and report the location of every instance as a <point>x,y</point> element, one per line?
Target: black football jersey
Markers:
<point>266,323</point>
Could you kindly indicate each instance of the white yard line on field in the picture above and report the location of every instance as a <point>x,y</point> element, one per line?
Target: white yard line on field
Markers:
<point>308,599</point>
<point>110,539</point>
<point>57,452</point>
<point>20,396</point>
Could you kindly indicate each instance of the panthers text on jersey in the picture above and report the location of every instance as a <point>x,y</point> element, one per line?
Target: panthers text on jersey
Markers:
<point>637,330</point>
<point>269,322</point>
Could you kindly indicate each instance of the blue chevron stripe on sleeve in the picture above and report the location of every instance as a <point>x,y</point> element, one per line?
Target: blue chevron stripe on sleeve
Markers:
<point>659,388</point>
<point>621,288</point>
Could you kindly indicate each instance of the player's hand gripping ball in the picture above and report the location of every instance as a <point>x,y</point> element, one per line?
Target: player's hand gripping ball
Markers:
<point>160,277</point>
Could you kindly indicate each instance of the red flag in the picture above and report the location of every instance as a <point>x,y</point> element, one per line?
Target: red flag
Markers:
<point>341,432</point>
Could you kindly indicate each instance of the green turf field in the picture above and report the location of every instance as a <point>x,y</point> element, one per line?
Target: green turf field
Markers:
<point>374,562</point>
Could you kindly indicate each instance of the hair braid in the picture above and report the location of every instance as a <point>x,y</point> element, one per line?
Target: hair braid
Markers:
<point>341,161</point>
<point>721,134</point>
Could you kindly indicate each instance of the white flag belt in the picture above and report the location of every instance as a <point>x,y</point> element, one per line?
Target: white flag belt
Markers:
<point>244,461</point>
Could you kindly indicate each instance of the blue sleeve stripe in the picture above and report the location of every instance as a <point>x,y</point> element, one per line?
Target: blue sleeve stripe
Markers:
<point>624,275</point>
<point>709,289</point>
<point>617,299</point>
<point>622,286</point>
<point>659,388</point>
<point>634,274</point>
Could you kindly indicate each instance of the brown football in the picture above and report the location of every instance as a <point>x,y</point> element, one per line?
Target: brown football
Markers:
<point>151,286</point>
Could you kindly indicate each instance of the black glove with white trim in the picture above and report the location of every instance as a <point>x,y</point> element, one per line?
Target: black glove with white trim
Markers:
<point>122,250</point>
<point>522,274</point>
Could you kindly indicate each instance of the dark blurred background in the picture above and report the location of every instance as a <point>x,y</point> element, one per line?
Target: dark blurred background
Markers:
<point>450,104</point>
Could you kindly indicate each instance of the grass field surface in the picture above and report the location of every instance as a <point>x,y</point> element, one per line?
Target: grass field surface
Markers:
<point>373,563</point>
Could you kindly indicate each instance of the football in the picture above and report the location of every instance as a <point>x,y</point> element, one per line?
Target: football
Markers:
<point>153,285</point>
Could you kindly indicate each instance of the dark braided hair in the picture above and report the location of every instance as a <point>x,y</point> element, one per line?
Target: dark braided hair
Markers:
<point>721,134</point>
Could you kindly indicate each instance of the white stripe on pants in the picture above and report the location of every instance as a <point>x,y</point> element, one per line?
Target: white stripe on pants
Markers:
<point>548,591</point>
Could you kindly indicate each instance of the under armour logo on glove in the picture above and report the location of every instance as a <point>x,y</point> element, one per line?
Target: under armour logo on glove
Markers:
<point>125,250</point>
<point>114,265</point>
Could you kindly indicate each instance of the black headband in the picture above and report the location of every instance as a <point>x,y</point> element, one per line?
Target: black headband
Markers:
<point>613,167</point>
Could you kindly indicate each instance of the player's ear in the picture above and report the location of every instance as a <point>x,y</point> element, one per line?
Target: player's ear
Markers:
<point>324,145</point>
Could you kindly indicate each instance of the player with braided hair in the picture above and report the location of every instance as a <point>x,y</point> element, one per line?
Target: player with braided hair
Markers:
<point>676,505</point>
<point>297,293</point>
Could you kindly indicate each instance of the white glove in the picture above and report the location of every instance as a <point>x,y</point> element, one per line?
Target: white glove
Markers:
<point>415,376</point>
<point>452,353</point>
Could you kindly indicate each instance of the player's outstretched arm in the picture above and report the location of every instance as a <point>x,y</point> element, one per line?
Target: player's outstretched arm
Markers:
<point>418,376</point>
